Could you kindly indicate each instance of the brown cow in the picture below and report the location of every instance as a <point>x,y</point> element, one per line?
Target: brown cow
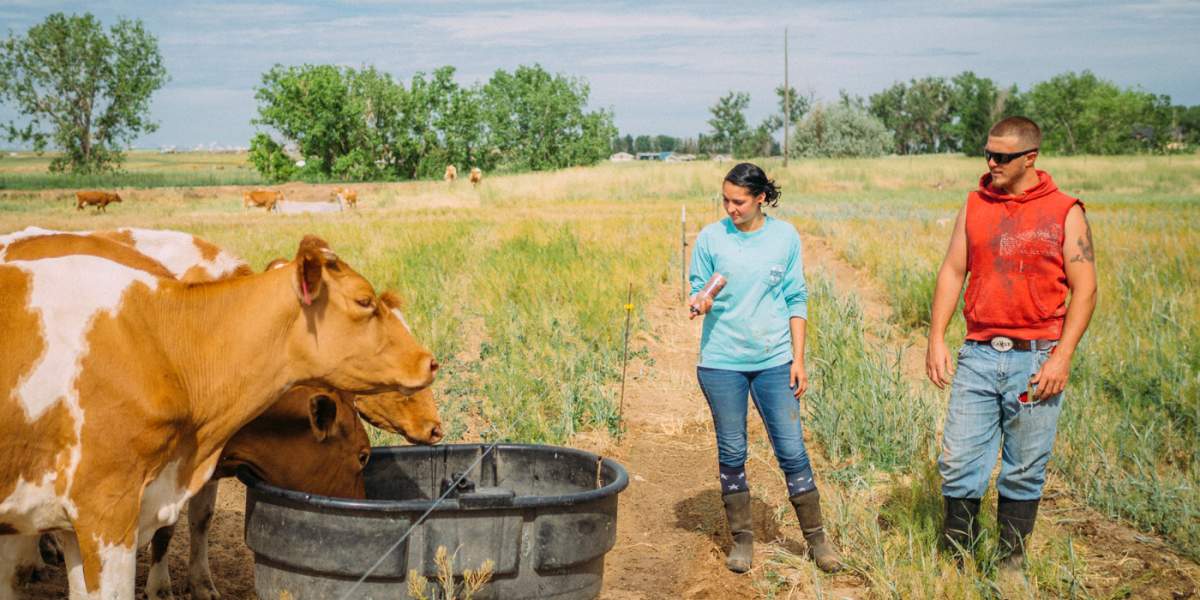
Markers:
<point>345,196</point>
<point>123,385</point>
<point>451,174</point>
<point>311,440</point>
<point>268,199</point>
<point>100,199</point>
<point>476,176</point>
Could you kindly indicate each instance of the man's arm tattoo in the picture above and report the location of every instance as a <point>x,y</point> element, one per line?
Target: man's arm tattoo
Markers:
<point>1086,254</point>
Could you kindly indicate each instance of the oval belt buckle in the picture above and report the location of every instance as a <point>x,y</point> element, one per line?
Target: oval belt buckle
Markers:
<point>1002,344</point>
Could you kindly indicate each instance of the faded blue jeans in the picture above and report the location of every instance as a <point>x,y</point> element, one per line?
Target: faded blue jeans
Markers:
<point>726,392</point>
<point>985,416</point>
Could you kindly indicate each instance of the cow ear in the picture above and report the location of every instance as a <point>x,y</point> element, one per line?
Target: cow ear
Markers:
<point>391,300</point>
<point>311,260</point>
<point>322,415</point>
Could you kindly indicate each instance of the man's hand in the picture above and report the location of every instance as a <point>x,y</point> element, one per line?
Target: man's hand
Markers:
<point>699,305</point>
<point>938,365</point>
<point>1052,378</point>
<point>798,379</point>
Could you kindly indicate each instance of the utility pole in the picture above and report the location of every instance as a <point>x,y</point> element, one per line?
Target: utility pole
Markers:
<point>787,98</point>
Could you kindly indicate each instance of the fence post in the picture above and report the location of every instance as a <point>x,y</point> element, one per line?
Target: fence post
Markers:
<point>625,358</point>
<point>683,266</point>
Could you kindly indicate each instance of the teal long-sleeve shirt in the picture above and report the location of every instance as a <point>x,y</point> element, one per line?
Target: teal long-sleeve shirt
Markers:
<point>747,328</point>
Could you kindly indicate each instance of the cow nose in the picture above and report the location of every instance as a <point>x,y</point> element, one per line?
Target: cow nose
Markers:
<point>433,365</point>
<point>435,434</point>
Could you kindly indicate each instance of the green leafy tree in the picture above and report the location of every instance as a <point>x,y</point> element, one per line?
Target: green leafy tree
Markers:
<point>728,122</point>
<point>311,106</point>
<point>269,158</point>
<point>643,143</point>
<point>377,101</point>
<point>426,114</point>
<point>918,114</point>
<point>347,123</point>
<point>975,104</point>
<point>81,89</point>
<point>538,121</point>
<point>756,143</point>
<point>799,106</point>
<point>1082,113</point>
<point>1186,121</point>
<point>843,129</point>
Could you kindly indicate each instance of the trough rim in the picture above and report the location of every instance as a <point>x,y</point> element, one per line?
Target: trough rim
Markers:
<point>263,491</point>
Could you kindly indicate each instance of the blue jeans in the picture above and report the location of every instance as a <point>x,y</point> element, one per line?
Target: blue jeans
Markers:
<point>726,393</point>
<point>985,416</point>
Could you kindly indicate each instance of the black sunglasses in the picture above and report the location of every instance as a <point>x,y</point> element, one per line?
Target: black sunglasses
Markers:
<point>1003,158</point>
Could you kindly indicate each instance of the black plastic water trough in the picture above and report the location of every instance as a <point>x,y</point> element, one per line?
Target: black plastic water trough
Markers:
<point>544,515</point>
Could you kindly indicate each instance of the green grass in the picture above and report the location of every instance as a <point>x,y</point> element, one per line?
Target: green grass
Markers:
<point>141,169</point>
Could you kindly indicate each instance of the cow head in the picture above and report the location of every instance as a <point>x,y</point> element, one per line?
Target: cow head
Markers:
<point>310,440</point>
<point>415,417</point>
<point>116,197</point>
<point>347,332</point>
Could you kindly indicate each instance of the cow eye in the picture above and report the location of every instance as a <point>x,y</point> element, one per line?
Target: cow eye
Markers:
<point>363,457</point>
<point>365,302</point>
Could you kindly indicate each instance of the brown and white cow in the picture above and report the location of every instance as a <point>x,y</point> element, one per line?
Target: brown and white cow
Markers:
<point>451,174</point>
<point>100,199</point>
<point>122,385</point>
<point>476,176</point>
<point>268,199</point>
<point>345,196</point>
<point>416,417</point>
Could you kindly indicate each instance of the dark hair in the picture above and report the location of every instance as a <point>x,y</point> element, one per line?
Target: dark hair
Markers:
<point>751,177</point>
<point>1022,128</point>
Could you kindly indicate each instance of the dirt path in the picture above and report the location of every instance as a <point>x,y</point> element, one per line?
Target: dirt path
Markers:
<point>671,535</point>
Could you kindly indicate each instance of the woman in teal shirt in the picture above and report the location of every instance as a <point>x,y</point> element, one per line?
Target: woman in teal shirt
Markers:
<point>753,344</point>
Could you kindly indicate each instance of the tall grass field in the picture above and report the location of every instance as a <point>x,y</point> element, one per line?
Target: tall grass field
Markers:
<point>519,287</point>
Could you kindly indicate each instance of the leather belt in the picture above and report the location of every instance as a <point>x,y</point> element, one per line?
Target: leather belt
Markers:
<point>1004,344</point>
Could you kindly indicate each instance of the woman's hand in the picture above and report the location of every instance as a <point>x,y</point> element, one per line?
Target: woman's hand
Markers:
<point>699,305</point>
<point>798,379</point>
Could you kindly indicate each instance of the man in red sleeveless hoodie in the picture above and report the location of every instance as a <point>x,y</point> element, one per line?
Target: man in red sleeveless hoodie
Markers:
<point>1026,245</point>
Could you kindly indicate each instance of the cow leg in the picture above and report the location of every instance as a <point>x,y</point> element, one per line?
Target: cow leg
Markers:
<point>51,549</point>
<point>18,563</point>
<point>100,569</point>
<point>200,512</point>
<point>74,564</point>
<point>158,580</point>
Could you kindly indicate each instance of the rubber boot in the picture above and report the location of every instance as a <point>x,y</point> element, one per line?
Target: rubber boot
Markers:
<point>1015,518</point>
<point>960,527</point>
<point>820,550</point>
<point>737,512</point>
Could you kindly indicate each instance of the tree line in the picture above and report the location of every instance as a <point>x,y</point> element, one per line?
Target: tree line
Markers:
<point>362,124</point>
<point>1080,113</point>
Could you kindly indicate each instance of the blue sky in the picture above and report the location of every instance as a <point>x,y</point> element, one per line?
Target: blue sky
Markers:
<point>658,65</point>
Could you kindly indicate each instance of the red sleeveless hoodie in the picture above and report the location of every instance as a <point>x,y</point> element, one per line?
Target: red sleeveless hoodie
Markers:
<point>1018,284</point>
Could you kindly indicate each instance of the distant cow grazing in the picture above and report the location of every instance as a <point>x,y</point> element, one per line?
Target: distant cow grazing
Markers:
<point>101,200</point>
<point>476,176</point>
<point>268,199</point>
<point>115,380</point>
<point>451,174</point>
<point>346,196</point>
